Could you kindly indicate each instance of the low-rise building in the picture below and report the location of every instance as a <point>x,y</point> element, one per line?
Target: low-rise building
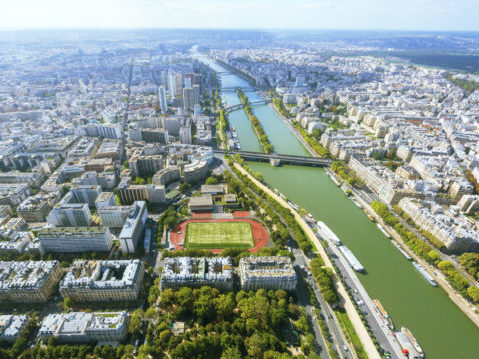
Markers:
<point>79,327</point>
<point>108,280</point>
<point>267,272</point>
<point>197,272</point>
<point>28,282</point>
<point>203,203</point>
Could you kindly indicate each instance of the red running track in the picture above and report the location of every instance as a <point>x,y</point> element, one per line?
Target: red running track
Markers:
<point>260,234</point>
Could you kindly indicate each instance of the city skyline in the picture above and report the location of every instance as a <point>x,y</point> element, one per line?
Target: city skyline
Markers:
<point>421,15</point>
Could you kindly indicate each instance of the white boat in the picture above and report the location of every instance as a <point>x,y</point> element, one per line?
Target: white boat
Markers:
<point>413,340</point>
<point>407,347</point>
<point>351,258</point>
<point>328,234</point>
<point>383,230</point>
<point>425,274</point>
<point>384,315</point>
<point>403,252</point>
<point>357,203</point>
<point>293,205</point>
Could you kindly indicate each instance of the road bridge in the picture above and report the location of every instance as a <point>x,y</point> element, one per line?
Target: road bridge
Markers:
<point>244,89</point>
<point>240,105</point>
<point>282,158</point>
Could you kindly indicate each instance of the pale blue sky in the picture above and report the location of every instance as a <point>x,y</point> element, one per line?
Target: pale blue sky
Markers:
<point>320,14</point>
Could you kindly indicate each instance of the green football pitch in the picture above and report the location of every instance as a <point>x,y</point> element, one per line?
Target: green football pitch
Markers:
<point>216,235</point>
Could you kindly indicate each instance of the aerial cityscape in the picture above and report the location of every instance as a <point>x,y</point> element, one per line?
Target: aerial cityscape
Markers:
<point>174,189</point>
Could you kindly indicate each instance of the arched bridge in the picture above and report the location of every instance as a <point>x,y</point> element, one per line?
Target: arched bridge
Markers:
<point>286,159</point>
<point>240,105</point>
<point>244,89</point>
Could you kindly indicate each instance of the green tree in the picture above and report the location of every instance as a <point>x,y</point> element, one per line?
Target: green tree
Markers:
<point>211,181</point>
<point>473,293</point>
<point>136,323</point>
<point>68,302</point>
<point>184,187</point>
<point>231,353</point>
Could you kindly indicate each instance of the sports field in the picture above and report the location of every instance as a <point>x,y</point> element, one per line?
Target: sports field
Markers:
<point>216,235</point>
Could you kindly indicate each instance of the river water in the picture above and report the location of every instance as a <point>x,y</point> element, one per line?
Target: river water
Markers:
<point>441,328</point>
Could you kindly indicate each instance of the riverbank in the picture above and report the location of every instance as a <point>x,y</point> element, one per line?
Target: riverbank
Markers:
<point>348,304</point>
<point>466,307</point>
<point>293,130</point>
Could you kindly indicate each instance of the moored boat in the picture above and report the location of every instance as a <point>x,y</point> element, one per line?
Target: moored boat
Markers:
<point>412,339</point>
<point>328,233</point>
<point>384,315</point>
<point>383,230</point>
<point>403,252</point>
<point>425,274</point>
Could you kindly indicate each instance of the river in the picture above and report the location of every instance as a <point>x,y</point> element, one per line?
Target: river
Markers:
<point>441,328</point>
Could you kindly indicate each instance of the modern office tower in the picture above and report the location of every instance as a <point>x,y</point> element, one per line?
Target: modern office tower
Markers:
<point>188,99</point>
<point>162,99</point>
<point>188,83</point>
<point>75,239</point>
<point>145,165</point>
<point>134,227</point>
<point>85,194</point>
<point>185,135</point>
<point>70,215</point>
<point>195,171</point>
<point>103,281</point>
<point>102,130</point>
<point>164,79</point>
<point>28,282</point>
<point>267,272</point>
<point>172,91</point>
<point>197,272</point>
<point>131,193</point>
<point>114,216</point>
<point>166,176</point>
<point>179,84</point>
<point>154,135</point>
<point>196,94</point>
<point>299,81</point>
<point>105,199</point>
<point>172,125</point>
<point>81,327</point>
<point>189,79</point>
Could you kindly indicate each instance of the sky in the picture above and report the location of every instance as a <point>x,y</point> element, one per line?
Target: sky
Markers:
<point>443,15</point>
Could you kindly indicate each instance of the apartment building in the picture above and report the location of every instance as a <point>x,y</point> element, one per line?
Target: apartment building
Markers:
<point>28,282</point>
<point>104,281</point>
<point>267,272</point>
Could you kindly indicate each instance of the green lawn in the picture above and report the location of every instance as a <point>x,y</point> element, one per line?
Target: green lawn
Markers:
<point>216,235</point>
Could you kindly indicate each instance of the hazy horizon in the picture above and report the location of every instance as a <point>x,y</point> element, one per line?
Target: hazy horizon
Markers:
<point>355,15</point>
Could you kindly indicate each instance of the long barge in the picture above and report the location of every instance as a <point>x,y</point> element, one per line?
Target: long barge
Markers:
<point>383,230</point>
<point>425,274</point>
<point>329,235</point>
<point>351,258</point>
<point>403,252</point>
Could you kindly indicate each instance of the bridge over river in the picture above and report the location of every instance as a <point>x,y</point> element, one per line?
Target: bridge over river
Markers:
<point>272,157</point>
<point>240,105</point>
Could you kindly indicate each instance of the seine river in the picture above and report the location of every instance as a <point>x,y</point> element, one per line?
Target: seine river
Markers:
<point>442,330</point>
